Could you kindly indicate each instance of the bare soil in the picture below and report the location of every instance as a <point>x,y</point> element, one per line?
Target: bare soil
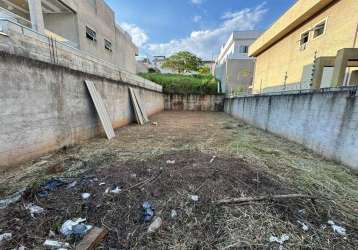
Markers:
<point>248,163</point>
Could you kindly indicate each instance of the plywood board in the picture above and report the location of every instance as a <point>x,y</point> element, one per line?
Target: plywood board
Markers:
<point>101,110</point>
<point>141,107</point>
<point>92,239</point>
<point>137,111</point>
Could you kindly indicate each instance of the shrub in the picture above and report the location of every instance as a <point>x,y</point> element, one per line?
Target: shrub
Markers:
<point>184,84</point>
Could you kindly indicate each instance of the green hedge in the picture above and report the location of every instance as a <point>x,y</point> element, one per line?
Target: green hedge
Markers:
<point>184,84</point>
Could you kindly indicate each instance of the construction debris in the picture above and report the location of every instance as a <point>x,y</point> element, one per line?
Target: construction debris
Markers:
<point>156,224</point>
<point>262,198</point>
<point>92,239</point>
<point>101,110</point>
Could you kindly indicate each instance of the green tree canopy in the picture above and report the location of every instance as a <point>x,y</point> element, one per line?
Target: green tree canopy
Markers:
<point>182,62</point>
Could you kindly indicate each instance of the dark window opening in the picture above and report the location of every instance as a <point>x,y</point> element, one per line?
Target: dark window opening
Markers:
<point>304,40</point>
<point>319,29</point>
<point>244,49</point>
<point>107,45</point>
<point>91,34</point>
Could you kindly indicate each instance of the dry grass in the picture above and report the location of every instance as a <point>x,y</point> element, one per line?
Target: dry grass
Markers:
<point>275,166</point>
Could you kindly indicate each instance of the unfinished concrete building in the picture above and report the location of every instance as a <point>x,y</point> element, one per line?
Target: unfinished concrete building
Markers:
<point>233,67</point>
<point>86,25</point>
<point>313,45</point>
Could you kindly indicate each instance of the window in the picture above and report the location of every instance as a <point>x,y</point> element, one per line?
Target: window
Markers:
<point>108,45</point>
<point>91,34</point>
<point>319,29</point>
<point>244,49</point>
<point>304,40</point>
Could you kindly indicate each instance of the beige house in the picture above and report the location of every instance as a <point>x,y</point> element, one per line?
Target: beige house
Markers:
<point>310,46</point>
<point>86,25</point>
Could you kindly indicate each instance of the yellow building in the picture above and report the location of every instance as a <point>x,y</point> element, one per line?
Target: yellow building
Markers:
<point>305,48</point>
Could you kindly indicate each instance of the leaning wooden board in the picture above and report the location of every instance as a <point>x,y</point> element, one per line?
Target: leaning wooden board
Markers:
<point>137,111</point>
<point>141,107</point>
<point>101,110</point>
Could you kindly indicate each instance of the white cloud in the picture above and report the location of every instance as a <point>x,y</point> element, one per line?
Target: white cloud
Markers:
<point>205,43</point>
<point>197,18</point>
<point>139,37</point>
<point>197,2</point>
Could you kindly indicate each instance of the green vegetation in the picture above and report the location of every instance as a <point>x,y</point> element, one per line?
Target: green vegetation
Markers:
<point>184,84</point>
<point>183,62</point>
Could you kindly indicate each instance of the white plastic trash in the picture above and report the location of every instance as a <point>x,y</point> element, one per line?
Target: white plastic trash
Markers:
<point>5,236</point>
<point>85,196</point>
<point>337,229</point>
<point>67,227</point>
<point>171,162</point>
<point>156,224</point>
<point>55,244</point>
<point>34,209</point>
<point>194,198</point>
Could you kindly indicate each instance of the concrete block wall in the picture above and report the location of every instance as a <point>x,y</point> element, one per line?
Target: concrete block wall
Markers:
<point>176,102</point>
<point>44,107</point>
<point>326,122</point>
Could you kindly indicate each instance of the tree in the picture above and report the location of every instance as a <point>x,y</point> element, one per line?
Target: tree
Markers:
<point>204,70</point>
<point>182,62</point>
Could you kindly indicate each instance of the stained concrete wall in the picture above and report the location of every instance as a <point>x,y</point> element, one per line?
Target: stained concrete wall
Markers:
<point>194,102</point>
<point>326,122</point>
<point>44,107</point>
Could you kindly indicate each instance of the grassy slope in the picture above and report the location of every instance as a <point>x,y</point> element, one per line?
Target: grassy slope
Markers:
<point>184,84</point>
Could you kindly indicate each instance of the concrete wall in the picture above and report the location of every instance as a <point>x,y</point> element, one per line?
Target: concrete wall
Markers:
<point>194,102</point>
<point>326,122</point>
<point>284,60</point>
<point>44,107</point>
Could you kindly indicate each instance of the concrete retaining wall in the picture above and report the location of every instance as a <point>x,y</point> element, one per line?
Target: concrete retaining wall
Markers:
<point>326,122</point>
<point>44,107</point>
<point>194,102</point>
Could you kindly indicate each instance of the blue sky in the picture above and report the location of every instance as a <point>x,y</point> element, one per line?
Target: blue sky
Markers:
<point>163,27</point>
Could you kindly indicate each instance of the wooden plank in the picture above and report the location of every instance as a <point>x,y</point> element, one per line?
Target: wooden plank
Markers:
<point>101,110</point>
<point>141,107</point>
<point>92,239</point>
<point>137,111</point>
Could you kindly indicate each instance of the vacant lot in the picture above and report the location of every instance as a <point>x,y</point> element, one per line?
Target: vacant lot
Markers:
<point>185,154</point>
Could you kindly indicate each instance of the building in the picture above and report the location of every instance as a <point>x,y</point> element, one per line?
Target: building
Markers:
<point>313,45</point>
<point>87,25</point>
<point>233,67</point>
<point>144,65</point>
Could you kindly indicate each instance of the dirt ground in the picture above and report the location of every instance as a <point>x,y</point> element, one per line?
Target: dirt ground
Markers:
<point>212,156</point>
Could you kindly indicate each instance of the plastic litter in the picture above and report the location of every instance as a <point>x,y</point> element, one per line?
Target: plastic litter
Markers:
<point>117,190</point>
<point>171,162</point>
<point>49,186</point>
<point>72,185</point>
<point>155,123</point>
<point>280,240</point>
<point>70,227</point>
<point>102,184</point>
<point>85,196</point>
<point>148,211</point>
<point>19,248</point>
<point>173,214</point>
<point>213,159</point>
<point>156,224</point>
<point>194,198</point>
<point>337,229</point>
<point>34,209</point>
<point>304,226</point>
<point>5,236</point>
<point>56,244</point>
<point>11,199</point>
